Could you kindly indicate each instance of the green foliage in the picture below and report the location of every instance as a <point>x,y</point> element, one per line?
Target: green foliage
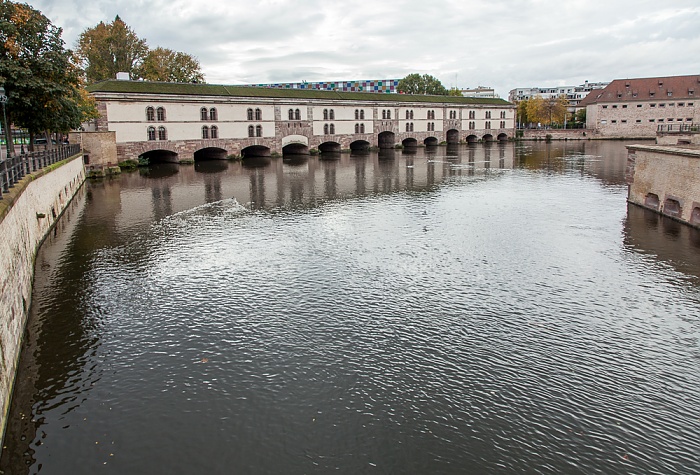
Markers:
<point>546,111</point>
<point>425,84</point>
<point>580,116</point>
<point>454,92</point>
<point>41,80</point>
<point>106,49</point>
<point>166,65</point>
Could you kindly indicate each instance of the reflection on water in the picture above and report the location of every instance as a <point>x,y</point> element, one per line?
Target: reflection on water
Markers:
<point>465,309</point>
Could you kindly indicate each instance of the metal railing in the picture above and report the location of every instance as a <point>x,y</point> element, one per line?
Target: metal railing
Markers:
<point>679,128</point>
<point>13,169</point>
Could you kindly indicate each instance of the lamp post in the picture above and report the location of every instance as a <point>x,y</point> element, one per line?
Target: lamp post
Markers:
<point>8,133</point>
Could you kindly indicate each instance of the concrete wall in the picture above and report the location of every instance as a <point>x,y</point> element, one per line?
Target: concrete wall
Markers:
<point>665,179</point>
<point>27,214</point>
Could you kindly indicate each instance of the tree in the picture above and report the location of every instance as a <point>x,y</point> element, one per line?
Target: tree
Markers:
<point>41,80</point>
<point>106,49</point>
<point>580,116</point>
<point>425,84</point>
<point>547,111</point>
<point>454,92</point>
<point>163,64</point>
<point>523,118</point>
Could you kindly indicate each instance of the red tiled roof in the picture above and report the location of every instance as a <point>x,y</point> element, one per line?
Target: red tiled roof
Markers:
<point>646,89</point>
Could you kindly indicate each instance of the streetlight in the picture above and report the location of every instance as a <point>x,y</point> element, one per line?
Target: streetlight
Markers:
<point>8,136</point>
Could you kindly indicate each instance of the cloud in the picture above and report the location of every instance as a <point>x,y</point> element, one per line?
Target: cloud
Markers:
<point>501,43</point>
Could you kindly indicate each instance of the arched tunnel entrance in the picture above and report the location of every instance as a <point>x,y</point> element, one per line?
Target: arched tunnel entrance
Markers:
<point>487,138</point>
<point>255,151</point>
<point>387,140</point>
<point>158,156</point>
<point>430,142</point>
<point>359,146</point>
<point>409,143</point>
<point>210,153</point>
<point>295,149</point>
<point>502,137</point>
<point>472,139</point>
<point>452,136</point>
<point>327,147</point>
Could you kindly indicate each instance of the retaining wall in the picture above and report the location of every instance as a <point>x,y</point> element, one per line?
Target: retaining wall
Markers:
<point>27,214</point>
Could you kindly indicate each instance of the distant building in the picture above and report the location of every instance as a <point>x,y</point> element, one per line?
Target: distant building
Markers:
<point>637,107</point>
<point>365,85</point>
<point>479,91</point>
<point>575,94</point>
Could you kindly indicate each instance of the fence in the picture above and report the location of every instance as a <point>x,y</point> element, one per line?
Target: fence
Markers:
<point>13,169</point>
<point>679,128</point>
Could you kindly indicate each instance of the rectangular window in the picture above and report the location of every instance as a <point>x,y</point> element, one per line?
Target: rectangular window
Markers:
<point>625,106</point>
<point>639,120</point>
<point>639,105</point>
<point>690,104</point>
<point>670,104</point>
<point>614,121</point>
<point>661,120</point>
<point>615,106</point>
<point>681,104</point>
<point>652,105</point>
<point>662,105</point>
<point>651,120</point>
<point>605,107</point>
<point>689,119</point>
<point>603,122</point>
<point>624,121</point>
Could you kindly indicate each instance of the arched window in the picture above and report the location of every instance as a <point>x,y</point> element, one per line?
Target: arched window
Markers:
<point>160,114</point>
<point>407,128</point>
<point>213,114</point>
<point>411,126</point>
<point>472,114</point>
<point>205,132</point>
<point>362,114</point>
<point>150,114</point>
<point>408,115</point>
<point>290,114</point>
<point>325,114</point>
<point>162,133</point>
<point>151,133</point>
<point>383,113</point>
<point>357,127</point>
<point>488,114</point>
<point>362,128</point>
<point>332,128</point>
<point>297,114</point>
<point>388,114</point>
<point>214,132</point>
<point>258,131</point>
<point>203,114</point>
<point>325,129</point>
<point>251,129</point>
<point>503,124</point>
<point>331,114</point>
<point>250,115</point>
<point>258,114</point>
<point>488,124</point>
<point>357,114</point>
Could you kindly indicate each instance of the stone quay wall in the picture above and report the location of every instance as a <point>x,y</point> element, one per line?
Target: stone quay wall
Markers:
<point>666,180</point>
<point>27,215</point>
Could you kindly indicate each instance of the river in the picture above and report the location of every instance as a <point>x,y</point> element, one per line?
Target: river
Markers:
<point>464,309</point>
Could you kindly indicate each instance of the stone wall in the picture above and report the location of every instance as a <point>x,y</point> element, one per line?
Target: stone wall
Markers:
<point>27,214</point>
<point>100,148</point>
<point>665,179</point>
<point>557,134</point>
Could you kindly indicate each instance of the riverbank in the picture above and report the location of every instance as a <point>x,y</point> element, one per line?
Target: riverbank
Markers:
<point>28,212</point>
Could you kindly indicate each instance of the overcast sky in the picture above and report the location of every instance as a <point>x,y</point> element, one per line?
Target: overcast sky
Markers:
<point>499,43</point>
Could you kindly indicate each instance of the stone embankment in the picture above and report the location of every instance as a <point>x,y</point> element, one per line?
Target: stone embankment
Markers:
<point>666,179</point>
<point>571,134</point>
<point>27,214</point>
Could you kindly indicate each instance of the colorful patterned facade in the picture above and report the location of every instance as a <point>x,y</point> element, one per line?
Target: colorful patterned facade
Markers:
<point>371,85</point>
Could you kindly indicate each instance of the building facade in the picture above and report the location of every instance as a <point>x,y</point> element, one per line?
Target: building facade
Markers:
<point>637,107</point>
<point>363,85</point>
<point>575,94</point>
<point>191,121</point>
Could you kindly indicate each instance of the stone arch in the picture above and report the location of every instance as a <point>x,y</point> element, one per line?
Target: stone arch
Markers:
<point>487,138</point>
<point>452,136</point>
<point>472,138</point>
<point>326,147</point>
<point>651,200</point>
<point>409,142</point>
<point>359,146</point>
<point>502,137</point>
<point>255,151</point>
<point>673,208</point>
<point>386,139</point>
<point>295,149</point>
<point>431,141</point>
<point>159,156</point>
<point>210,153</point>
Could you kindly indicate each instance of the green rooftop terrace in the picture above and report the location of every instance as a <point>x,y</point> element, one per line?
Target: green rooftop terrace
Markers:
<point>187,89</point>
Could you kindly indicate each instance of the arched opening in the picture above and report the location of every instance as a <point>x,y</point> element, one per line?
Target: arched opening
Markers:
<point>452,136</point>
<point>158,156</point>
<point>502,137</point>
<point>210,153</point>
<point>695,216</point>
<point>487,138</point>
<point>387,140</point>
<point>472,138</point>
<point>255,151</point>
<point>359,146</point>
<point>672,208</point>
<point>430,142</point>
<point>409,143</point>
<point>326,147</point>
<point>295,149</point>
<point>651,200</point>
